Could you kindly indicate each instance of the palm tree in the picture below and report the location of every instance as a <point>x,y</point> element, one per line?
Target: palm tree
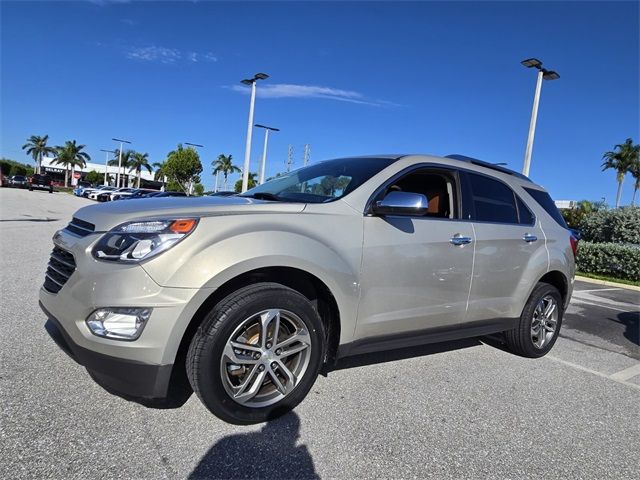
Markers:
<point>125,164</point>
<point>71,156</point>
<point>160,174</point>
<point>37,147</point>
<point>253,181</point>
<point>634,170</point>
<point>224,165</point>
<point>138,162</point>
<point>621,160</point>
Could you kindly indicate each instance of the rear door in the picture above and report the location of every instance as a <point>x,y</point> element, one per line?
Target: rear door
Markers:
<point>508,241</point>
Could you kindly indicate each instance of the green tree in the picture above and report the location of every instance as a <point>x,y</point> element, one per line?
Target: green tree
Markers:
<point>183,166</point>
<point>634,170</point>
<point>198,189</point>
<point>224,164</point>
<point>94,177</point>
<point>71,156</point>
<point>621,160</point>
<point>37,147</point>
<point>138,162</point>
<point>252,182</point>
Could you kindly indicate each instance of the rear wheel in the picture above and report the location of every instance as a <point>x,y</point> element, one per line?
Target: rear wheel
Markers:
<point>257,354</point>
<point>539,324</point>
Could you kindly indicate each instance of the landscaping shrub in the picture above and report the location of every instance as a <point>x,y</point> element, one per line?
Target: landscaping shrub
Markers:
<point>611,259</point>
<point>620,225</point>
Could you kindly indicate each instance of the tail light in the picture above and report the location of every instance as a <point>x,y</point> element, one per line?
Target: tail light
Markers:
<point>574,244</point>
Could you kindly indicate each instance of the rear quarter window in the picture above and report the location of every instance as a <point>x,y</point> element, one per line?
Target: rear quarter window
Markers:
<point>544,200</point>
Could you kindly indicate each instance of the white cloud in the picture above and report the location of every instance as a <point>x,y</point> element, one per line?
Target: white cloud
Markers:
<point>166,55</point>
<point>196,57</point>
<point>287,90</point>
<point>128,21</point>
<point>154,53</point>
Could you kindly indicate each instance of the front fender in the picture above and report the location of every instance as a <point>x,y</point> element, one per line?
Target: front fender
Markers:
<point>218,255</point>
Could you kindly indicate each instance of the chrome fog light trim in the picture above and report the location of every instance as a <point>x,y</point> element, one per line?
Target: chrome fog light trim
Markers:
<point>118,323</point>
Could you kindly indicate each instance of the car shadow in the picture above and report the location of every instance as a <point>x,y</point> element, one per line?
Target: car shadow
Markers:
<point>631,321</point>
<point>403,353</point>
<point>269,453</point>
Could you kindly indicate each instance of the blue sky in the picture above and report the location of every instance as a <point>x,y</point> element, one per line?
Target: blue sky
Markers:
<point>347,78</point>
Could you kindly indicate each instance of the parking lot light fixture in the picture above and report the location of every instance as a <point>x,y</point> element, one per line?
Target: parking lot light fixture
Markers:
<point>263,164</point>
<point>106,163</point>
<point>119,158</point>
<point>247,150</point>
<point>543,74</point>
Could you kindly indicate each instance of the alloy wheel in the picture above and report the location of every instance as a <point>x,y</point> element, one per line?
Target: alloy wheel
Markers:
<point>265,358</point>
<point>544,322</point>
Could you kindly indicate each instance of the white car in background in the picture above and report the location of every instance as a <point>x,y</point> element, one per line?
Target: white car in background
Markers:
<point>125,192</point>
<point>93,195</point>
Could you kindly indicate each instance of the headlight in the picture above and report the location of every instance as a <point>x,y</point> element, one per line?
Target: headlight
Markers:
<point>136,241</point>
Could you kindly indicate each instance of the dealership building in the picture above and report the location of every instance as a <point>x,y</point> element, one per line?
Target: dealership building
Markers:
<point>57,173</point>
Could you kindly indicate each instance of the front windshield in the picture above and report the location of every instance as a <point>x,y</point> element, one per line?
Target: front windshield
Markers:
<point>322,182</point>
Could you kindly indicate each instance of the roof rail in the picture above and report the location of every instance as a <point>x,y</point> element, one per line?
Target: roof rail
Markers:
<point>492,166</point>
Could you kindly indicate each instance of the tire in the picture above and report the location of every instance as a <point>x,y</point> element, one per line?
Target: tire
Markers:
<point>524,340</point>
<point>209,364</point>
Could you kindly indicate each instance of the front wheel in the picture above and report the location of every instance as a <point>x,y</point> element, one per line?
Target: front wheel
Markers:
<point>257,354</point>
<point>539,324</point>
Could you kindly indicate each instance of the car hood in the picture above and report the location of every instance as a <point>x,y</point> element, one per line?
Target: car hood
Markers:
<point>108,215</point>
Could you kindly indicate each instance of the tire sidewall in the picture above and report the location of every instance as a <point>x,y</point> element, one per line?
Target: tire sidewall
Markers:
<point>538,294</point>
<point>210,386</point>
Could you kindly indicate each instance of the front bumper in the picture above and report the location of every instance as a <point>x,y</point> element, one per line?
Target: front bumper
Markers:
<point>141,370</point>
<point>150,385</point>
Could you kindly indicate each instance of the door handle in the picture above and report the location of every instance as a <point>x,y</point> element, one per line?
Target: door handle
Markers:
<point>529,238</point>
<point>458,239</point>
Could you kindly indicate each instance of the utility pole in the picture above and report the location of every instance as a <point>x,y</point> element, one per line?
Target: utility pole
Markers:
<point>263,163</point>
<point>289,158</point>
<point>543,74</point>
<point>119,159</point>
<point>247,149</point>
<point>307,151</point>
<point>106,163</point>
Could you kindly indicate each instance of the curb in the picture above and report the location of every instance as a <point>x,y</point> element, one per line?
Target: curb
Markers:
<point>608,283</point>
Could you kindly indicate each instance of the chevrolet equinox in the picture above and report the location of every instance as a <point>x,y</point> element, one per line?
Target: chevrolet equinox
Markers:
<point>245,299</point>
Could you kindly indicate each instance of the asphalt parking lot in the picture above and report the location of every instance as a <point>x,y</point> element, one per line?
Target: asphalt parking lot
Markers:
<point>460,410</point>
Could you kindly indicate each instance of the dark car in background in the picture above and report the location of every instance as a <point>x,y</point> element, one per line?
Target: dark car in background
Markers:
<point>222,194</point>
<point>19,181</point>
<point>40,182</point>
<point>169,194</point>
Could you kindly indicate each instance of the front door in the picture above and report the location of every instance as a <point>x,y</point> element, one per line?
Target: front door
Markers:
<point>416,271</point>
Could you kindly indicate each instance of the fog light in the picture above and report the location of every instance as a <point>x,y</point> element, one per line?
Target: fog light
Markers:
<point>118,323</point>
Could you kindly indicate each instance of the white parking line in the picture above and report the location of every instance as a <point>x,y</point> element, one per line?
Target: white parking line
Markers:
<point>595,372</point>
<point>626,374</point>
<point>604,302</point>
<point>598,290</point>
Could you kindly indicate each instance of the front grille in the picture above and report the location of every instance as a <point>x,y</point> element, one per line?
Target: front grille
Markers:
<point>80,227</point>
<point>61,266</point>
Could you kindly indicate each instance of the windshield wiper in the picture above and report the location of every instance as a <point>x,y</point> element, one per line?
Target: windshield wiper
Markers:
<point>265,196</point>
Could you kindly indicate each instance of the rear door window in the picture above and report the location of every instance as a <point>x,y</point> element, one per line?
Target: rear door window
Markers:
<point>492,200</point>
<point>545,201</point>
<point>525,215</point>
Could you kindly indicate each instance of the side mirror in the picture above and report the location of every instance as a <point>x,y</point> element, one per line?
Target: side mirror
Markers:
<point>402,203</point>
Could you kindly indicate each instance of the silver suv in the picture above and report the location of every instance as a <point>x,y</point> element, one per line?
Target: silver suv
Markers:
<point>245,299</point>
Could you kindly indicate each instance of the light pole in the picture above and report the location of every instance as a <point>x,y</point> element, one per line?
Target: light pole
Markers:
<point>190,182</point>
<point>247,149</point>
<point>119,158</point>
<point>106,162</point>
<point>263,165</point>
<point>545,74</point>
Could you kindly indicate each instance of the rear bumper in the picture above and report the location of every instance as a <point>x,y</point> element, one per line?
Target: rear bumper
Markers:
<point>159,386</point>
